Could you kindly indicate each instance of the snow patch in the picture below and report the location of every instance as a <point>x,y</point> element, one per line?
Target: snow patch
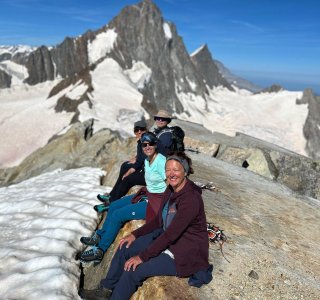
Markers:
<point>28,120</point>
<point>76,91</point>
<point>272,117</point>
<point>192,84</point>
<point>101,45</point>
<point>18,72</point>
<point>139,74</point>
<point>167,31</point>
<point>197,51</point>
<point>193,104</point>
<point>42,220</point>
<point>115,99</point>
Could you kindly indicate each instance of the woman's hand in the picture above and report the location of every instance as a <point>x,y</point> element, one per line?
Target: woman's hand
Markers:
<point>127,239</point>
<point>132,262</point>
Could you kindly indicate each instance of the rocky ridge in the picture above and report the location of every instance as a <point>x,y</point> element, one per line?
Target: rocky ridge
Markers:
<point>311,127</point>
<point>273,243</point>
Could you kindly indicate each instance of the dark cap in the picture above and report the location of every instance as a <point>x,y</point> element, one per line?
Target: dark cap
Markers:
<point>141,124</point>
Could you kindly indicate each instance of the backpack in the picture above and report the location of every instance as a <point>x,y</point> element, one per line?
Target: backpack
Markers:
<point>177,139</point>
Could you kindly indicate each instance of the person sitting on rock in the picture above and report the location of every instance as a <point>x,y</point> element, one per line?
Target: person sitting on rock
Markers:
<point>175,243</point>
<point>162,119</point>
<point>131,171</point>
<point>130,207</point>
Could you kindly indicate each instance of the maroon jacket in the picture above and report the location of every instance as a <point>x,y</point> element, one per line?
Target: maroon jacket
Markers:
<point>186,237</point>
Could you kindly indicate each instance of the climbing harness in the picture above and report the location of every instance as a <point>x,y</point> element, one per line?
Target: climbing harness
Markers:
<point>215,234</point>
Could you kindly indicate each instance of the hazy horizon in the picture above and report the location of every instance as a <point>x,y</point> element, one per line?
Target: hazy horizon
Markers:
<point>291,82</point>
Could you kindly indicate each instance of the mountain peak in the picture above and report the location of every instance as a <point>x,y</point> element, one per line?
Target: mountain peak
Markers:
<point>204,63</point>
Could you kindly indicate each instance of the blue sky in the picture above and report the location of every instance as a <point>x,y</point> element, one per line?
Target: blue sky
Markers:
<point>265,41</point>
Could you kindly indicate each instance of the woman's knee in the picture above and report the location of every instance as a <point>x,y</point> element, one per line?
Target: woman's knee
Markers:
<point>136,277</point>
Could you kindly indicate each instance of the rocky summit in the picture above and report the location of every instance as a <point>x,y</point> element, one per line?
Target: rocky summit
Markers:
<point>259,195</point>
<point>264,197</point>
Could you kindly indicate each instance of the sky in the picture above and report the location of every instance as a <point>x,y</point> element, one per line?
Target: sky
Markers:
<point>265,41</point>
<point>42,220</point>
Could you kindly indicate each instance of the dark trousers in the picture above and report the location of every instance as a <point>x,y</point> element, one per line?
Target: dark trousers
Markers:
<point>124,283</point>
<point>122,187</point>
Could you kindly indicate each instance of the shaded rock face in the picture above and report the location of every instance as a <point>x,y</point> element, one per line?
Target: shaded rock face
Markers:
<point>207,67</point>
<point>142,37</point>
<point>40,66</point>
<point>5,80</point>
<point>311,128</point>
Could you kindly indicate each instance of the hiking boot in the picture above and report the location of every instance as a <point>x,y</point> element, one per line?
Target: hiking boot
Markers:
<point>103,198</point>
<point>101,208</point>
<point>95,254</point>
<point>90,241</point>
<point>100,293</point>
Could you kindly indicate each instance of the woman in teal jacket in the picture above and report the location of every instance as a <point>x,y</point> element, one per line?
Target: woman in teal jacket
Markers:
<point>126,209</point>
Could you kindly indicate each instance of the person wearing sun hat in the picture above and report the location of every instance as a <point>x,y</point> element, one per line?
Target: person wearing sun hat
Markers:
<point>162,131</point>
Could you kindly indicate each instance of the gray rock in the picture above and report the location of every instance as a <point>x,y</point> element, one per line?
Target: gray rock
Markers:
<point>295,171</point>
<point>5,79</point>
<point>40,66</point>
<point>253,274</point>
<point>207,67</point>
<point>311,129</point>
<point>274,88</point>
<point>165,56</point>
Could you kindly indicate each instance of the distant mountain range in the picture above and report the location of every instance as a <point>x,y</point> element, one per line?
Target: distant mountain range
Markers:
<point>236,80</point>
<point>128,69</point>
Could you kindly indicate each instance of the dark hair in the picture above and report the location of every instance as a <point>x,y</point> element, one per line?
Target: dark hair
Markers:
<point>182,158</point>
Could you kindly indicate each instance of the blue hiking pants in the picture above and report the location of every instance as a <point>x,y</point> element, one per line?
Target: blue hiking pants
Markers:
<point>119,212</point>
<point>124,283</point>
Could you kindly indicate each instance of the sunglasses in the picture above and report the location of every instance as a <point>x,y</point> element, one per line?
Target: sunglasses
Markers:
<point>147,144</point>
<point>137,129</point>
<point>161,119</point>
